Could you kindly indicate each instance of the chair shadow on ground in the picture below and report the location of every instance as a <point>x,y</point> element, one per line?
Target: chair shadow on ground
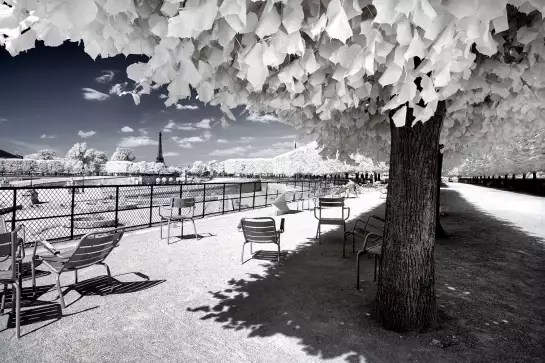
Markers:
<point>481,278</point>
<point>34,310</point>
<point>178,238</point>
<point>263,255</point>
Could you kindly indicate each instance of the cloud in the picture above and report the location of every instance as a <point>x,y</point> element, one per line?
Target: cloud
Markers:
<point>116,89</point>
<point>28,145</point>
<point>254,117</point>
<point>163,96</point>
<point>171,153</point>
<point>143,132</point>
<point>2,119</point>
<point>136,141</point>
<point>86,134</point>
<point>246,139</point>
<point>284,137</point>
<point>127,129</point>
<point>186,142</point>
<point>203,124</point>
<point>45,136</point>
<point>222,141</point>
<point>106,77</point>
<point>187,107</point>
<point>283,145</point>
<point>168,128</point>
<point>238,150</point>
<point>94,95</point>
<point>186,127</point>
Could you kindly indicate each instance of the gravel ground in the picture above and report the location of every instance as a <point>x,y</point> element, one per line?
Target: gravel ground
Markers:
<point>192,300</point>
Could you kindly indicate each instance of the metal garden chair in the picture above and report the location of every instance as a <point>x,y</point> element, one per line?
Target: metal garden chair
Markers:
<point>92,249</point>
<point>260,230</point>
<point>180,210</point>
<point>374,225</point>
<point>12,253</point>
<point>326,203</point>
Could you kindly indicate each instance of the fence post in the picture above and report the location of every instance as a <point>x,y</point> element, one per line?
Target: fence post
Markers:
<point>223,200</point>
<point>14,213</point>
<point>239,196</point>
<point>181,194</point>
<point>150,204</point>
<point>116,206</point>
<point>253,200</point>
<point>73,207</point>
<point>203,197</point>
<point>266,194</point>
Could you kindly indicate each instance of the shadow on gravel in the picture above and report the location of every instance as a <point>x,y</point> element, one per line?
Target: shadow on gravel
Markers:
<point>489,282</point>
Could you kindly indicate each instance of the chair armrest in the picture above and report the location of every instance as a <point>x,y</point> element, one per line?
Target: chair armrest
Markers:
<point>239,227</point>
<point>378,218</point>
<point>48,246</point>
<point>282,220</point>
<point>20,241</point>
<point>315,209</point>
<point>358,221</point>
<point>348,215</point>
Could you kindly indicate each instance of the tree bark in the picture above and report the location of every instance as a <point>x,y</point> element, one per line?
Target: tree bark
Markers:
<point>439,231</point>
<point>405,298</point>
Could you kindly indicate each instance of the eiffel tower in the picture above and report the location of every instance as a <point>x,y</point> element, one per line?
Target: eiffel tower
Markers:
<point>160,158</point>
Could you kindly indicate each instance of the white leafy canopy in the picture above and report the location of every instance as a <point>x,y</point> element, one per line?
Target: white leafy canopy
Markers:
<point>330,68</point>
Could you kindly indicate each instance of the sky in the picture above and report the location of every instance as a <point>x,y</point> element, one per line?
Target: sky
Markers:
<point>51,98</point>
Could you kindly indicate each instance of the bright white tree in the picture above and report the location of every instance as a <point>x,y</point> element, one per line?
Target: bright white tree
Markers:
<point>372,77</point>
<point>91,160</point>
<point>123,154</point>
<point>45,154</point>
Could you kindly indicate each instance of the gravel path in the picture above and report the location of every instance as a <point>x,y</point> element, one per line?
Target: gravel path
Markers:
<point>201,305</point>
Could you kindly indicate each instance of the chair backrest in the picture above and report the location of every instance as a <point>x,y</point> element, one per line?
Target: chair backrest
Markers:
<point>182,202</point>
<point>259,230</point>
<point>331,202</point>
<point>8,252</point>
<point>3,228</point>
<point>93,248</point>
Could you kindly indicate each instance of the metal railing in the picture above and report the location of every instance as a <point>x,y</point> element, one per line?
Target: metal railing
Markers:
<point>64,213</point>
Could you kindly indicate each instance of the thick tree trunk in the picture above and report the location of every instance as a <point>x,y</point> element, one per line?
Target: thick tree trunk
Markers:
<point>406,290</point>
<point>439,231</point>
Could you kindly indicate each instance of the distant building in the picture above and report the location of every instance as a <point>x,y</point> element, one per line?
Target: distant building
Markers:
<point>6,155</point>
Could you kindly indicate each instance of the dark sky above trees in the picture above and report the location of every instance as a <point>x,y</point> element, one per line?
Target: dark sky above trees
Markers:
<point>54,97</point>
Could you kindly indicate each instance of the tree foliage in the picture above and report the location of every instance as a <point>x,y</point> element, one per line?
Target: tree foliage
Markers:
<point>123,154</point>
<point>45,154</point>
<point>332,69</point>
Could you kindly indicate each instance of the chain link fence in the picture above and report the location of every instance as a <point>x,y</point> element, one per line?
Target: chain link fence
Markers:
<point>64,213</point>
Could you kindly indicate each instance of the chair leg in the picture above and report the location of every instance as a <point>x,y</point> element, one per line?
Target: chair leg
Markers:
<point>161,229</point>
<point>358,268</point>
<point>20,273</point>
<point>195,229</point>
<point>242,257</point>
<point>61,298</point>
<point>344,240</point>
<point>278,261</point>
<point>76,276</point>
<point>17,303</point>
<point>375,270</point>
<point>109,277</point>
<point>33,270</point>
<point>168,232</point>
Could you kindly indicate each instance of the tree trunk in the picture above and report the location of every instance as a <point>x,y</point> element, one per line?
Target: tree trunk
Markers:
<point>406,290</point>
<point>439,231</point>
